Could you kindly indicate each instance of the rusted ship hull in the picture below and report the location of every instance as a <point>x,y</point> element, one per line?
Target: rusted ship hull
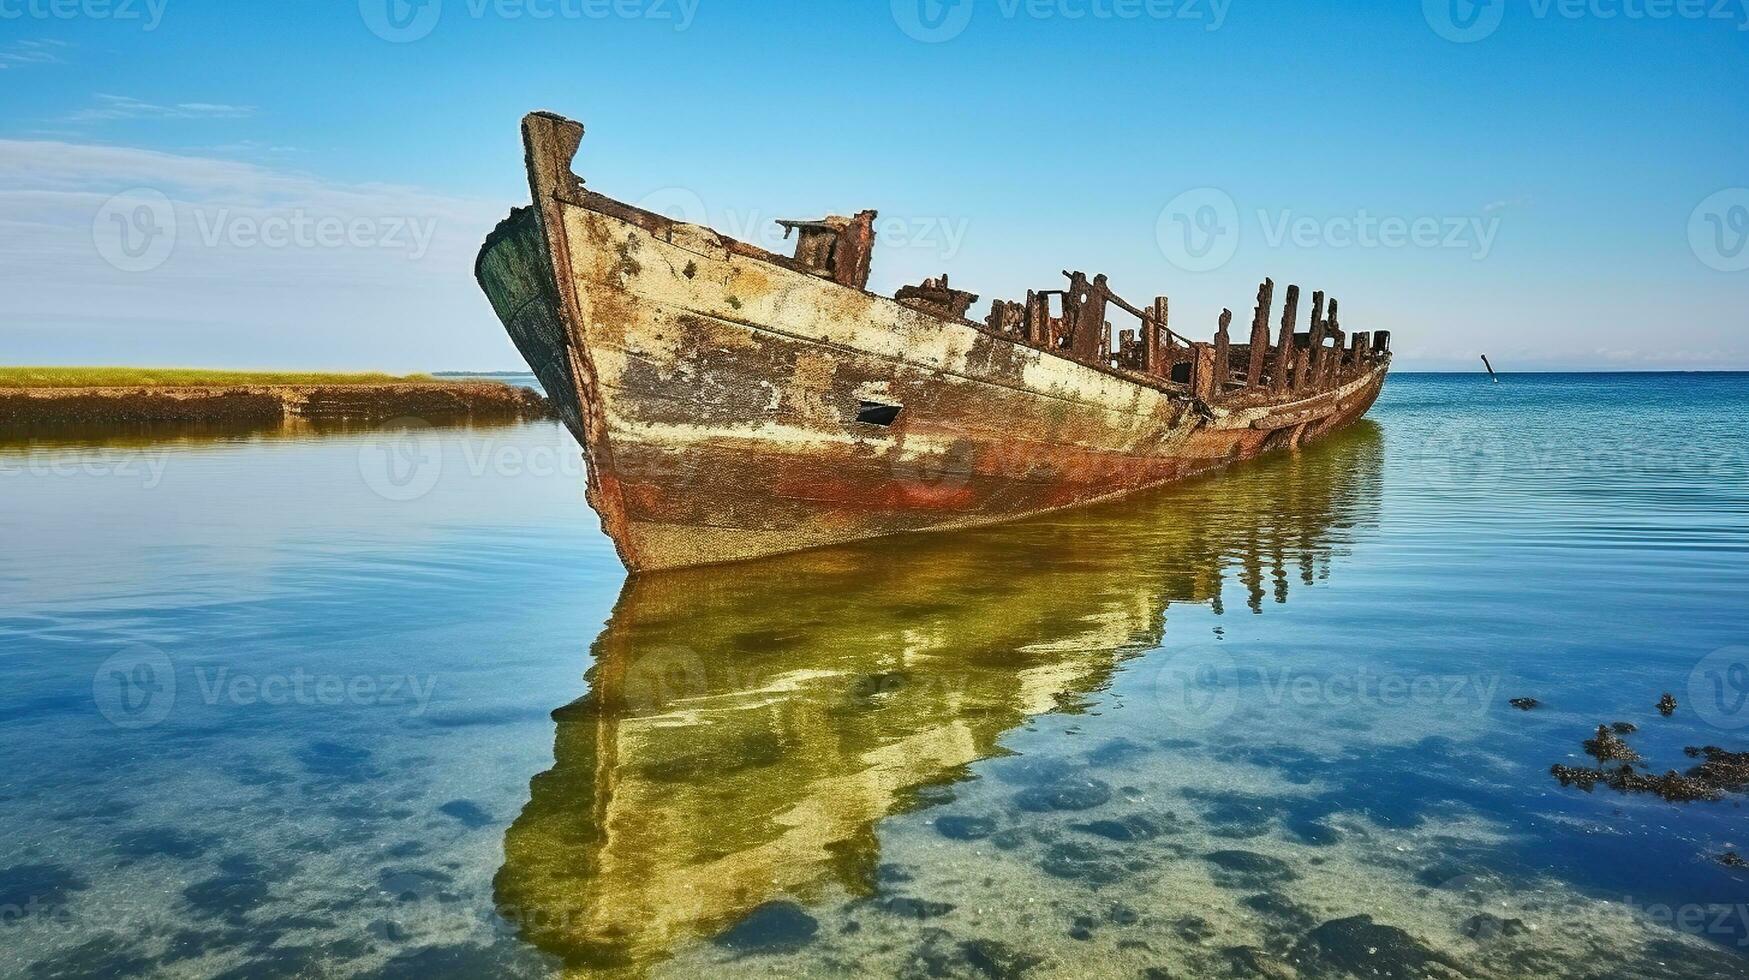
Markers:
<point>734,404</point>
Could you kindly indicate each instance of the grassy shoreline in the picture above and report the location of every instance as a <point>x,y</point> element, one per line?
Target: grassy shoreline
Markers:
<point>121,377</point>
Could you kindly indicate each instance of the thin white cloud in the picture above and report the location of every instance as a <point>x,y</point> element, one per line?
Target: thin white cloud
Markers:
<point>1502,205</point>
<point>268,266</point>
<point>21,53</point>
<point>110,107</point>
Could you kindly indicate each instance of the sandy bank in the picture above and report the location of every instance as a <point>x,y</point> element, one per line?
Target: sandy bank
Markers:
<point>434,400</point>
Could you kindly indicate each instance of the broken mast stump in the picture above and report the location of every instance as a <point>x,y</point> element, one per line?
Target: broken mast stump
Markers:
<point>1203,382</point>
<point>1284,356</point>
<point>1260,333</point>
<point>1158,340</point>
<point>1223,352</point>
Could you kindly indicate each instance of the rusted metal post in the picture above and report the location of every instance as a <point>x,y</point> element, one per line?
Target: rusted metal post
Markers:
<point>1358,350</point>
<point>1204,383</point>
<point>1159,340</point>
<point>1223,352</point>
<point>1284,356</point>
<point>1260,333</point>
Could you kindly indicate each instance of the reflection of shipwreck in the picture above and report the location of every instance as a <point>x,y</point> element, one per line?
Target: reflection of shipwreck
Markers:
<point>736,403</point>
<point>747,727</point>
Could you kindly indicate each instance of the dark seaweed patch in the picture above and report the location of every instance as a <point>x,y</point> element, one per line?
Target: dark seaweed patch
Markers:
<point>239,887</point>
<point>44,888</point>
<point>166,842</point>
<point>471,815</point>
<point>1360,947</point>
<point>774,927</point>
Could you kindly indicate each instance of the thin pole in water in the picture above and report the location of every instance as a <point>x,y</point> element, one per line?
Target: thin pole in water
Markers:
<point>1490,368</point>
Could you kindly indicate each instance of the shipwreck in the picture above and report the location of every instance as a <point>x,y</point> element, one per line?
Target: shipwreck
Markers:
<point>734,403</point>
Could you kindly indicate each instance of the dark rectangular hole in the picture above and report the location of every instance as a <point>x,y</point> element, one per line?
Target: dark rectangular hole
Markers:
<point>874,413</point>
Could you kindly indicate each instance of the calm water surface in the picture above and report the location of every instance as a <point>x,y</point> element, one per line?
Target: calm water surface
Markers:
<point>356,703</point>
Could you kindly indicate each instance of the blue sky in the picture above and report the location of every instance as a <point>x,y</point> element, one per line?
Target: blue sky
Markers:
<point>1558,184</point>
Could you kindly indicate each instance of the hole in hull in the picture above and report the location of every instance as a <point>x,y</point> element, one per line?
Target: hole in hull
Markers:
<point>875,413</point>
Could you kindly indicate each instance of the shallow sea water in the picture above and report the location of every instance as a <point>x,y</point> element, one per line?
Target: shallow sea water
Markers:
<point>382,703</point>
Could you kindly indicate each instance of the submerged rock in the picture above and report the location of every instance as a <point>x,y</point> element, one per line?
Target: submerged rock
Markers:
<point>1360,947</point>
<point>1667,704</point>
<point>1135,827</point>
<point>1237,815</point>
<point>1248,869</point>
<point>1083,862</point>
<point>1009,839</point>
<point>1731,859</point>
<point>1072,793</point>
<point>960,827</point>
<point>1624,728</point>
<point>976,958</point>
<point>1314,833</point>
<point>1192,928</point>
<point>1486,926</point>
<point>775,927</point>
<point>1279,909</point>
<point>1249,961</point>
<point>1525,704</point>
<point>915,908</point>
